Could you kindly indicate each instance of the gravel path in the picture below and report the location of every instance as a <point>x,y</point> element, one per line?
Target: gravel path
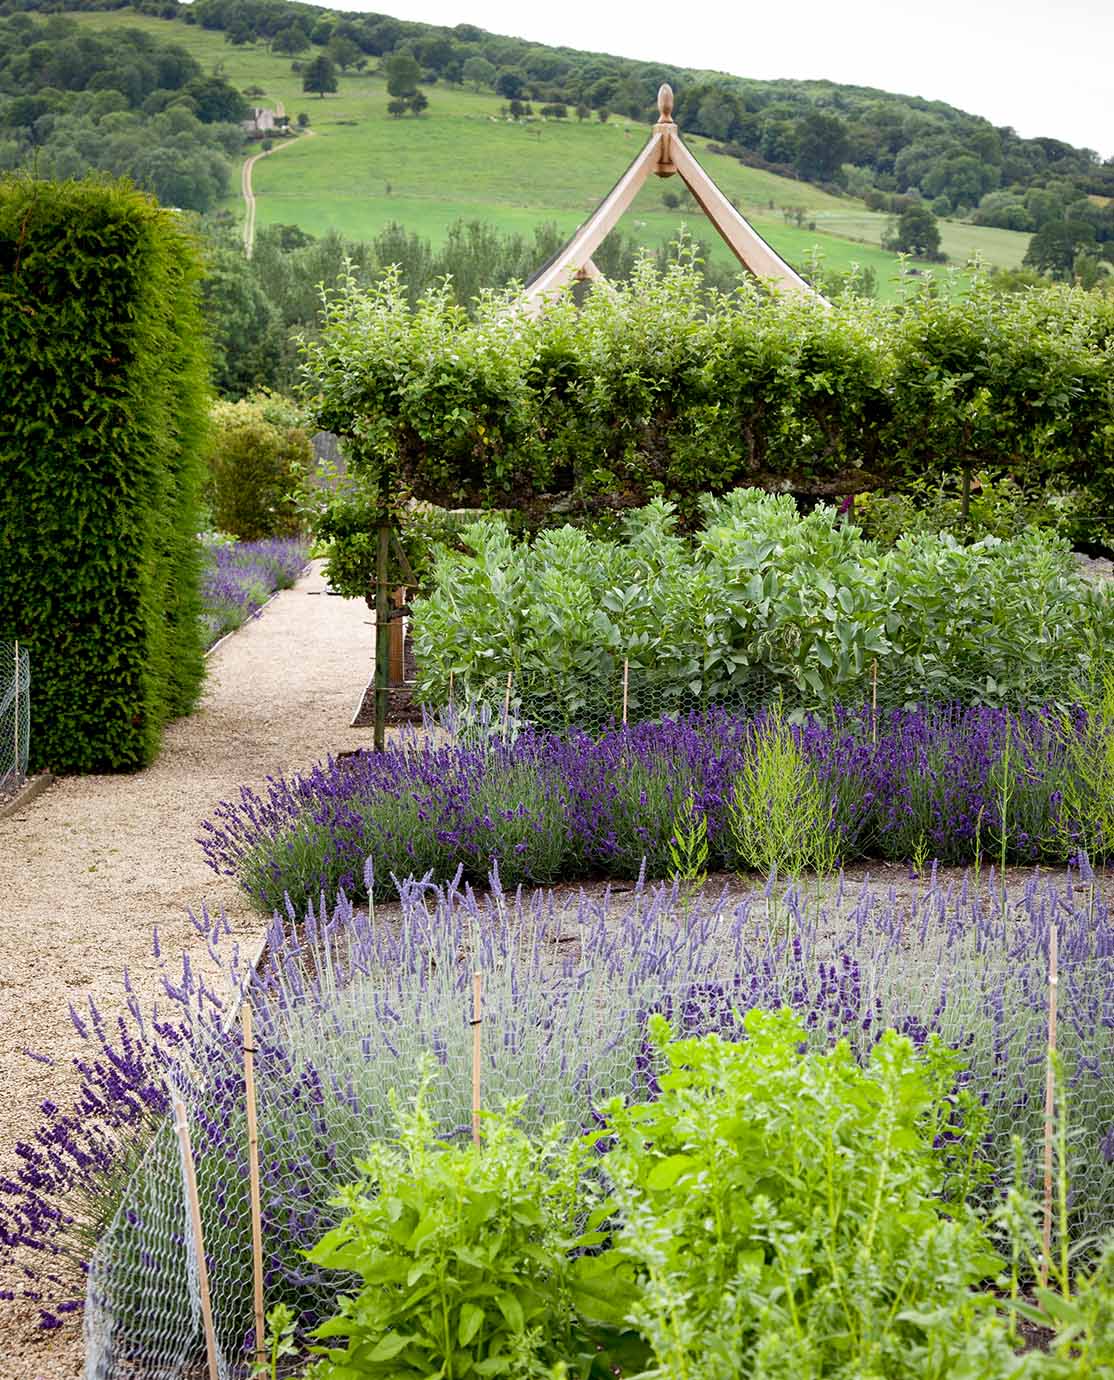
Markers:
<point>93,864</point>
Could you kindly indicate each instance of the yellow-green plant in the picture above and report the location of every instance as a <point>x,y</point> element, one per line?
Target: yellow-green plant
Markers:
<point>688,848</point>
<point>779,819</point>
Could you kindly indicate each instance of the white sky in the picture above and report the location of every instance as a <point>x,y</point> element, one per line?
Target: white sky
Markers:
<point>1042,66</point>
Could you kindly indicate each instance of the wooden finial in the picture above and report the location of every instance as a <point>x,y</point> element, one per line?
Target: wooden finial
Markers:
<point>665,104</point>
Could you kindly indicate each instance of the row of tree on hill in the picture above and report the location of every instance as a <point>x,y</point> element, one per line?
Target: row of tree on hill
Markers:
<point>872,143</point>
<point>73,102</point>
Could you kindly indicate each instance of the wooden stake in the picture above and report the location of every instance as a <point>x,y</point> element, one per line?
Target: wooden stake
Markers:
<point>477,1024</point>
<point>181,1125</point>
<point>626,687</point>
<point>1049,1102</point>
<point>398,641</point>
<point>507,704</point>
<point>382,638</point>
<point>253,1173</point>
<point>874,700</point>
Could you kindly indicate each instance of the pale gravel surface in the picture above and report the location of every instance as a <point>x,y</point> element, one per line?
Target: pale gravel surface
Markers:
<point>93,864</point>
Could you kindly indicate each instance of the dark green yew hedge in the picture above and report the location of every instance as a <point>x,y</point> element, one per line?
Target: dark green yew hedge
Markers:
<point>102,356</point>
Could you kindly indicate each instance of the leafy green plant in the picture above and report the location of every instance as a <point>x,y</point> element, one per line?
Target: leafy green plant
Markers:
<point>282,1325</point>
<point>777,814</point>
<point>762,600</point>
<point>789,1215</point>
<point>466,1257</point>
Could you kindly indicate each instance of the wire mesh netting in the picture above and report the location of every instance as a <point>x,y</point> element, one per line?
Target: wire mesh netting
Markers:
<point>350,1008</point>
<point>555,702</point>
<point>15,715</point>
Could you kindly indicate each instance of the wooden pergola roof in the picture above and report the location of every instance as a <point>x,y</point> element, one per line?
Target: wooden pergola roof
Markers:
<point>664,156</point>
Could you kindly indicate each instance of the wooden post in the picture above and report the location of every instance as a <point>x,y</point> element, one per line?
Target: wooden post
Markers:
<point>477,1023</point>
<point>181,1125</point>
<point>507,704</point>
<point>626,688</point>
<point>1049,1103</point>
<point>253,1176</point>
<point>874,700</point>
<point>382,638</point>
<point>398,630</point>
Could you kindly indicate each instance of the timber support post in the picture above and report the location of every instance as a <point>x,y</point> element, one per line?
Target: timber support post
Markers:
<point>382,636</point>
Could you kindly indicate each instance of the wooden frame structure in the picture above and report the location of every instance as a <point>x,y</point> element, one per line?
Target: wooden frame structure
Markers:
<point>664,156</point>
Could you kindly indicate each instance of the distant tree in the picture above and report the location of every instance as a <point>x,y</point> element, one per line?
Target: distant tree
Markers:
<point>821,146</point>
<point>510,83</point>
<point>303,120</point>
<point>418,102</point>
<point>215,99</point>
<point>602,114</point>
<point>344,52</point>
<point>1054,248</point>
<point>403,74</point>
<point>516,110</point>
<point>582,112</point>
<point>916,232</point>
<point>320,75</point>
<point>293,39</point>
<point>478,71</point>
<point>670,200</point>
<point>555,110</point>
<point>398,107</point>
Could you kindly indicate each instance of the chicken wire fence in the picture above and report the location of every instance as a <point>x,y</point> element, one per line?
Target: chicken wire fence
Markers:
<point>554,701</point>
<point>347,1020</point>
<point>15,715</point>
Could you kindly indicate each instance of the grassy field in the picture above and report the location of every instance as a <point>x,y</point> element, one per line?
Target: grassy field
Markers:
<point>363,170</point>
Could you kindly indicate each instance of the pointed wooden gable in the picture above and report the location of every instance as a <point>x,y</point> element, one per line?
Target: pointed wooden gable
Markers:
<point>664,156</point>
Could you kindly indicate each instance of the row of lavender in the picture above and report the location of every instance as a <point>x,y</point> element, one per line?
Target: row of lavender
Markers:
<point>955,785</point>
<point>347,1004</point>
<point>238,577</point>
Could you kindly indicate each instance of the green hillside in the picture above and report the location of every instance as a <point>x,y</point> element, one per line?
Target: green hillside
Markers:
<point>363,169</point>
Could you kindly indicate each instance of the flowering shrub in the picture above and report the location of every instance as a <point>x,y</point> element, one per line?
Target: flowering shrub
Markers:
<point>239,577</point>
<point>938,783</point>
<point>346,1005</point>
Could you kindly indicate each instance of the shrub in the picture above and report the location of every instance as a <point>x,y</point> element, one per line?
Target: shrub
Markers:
<point>660,387</point>
<point>257,455</point>
<point>103,359</point>
<point>762,602</point>
<point>947,783</point>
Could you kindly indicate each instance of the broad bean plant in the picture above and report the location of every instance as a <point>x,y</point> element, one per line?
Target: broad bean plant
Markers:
<point>761,601</point>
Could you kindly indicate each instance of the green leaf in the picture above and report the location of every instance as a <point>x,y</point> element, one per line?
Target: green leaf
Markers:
<point>471,1320</point>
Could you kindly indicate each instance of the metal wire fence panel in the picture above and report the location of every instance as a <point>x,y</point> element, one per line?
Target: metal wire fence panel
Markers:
<point>558,702</point>
<point>15,715</point>
<point>352,1009</point>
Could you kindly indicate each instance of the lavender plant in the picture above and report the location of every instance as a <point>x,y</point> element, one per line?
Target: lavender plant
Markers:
<point>239,577</point>
<point>924,781</point>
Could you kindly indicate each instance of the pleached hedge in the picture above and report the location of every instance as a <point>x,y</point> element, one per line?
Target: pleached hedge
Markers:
<point>103,358</point>
<point>660,388</point>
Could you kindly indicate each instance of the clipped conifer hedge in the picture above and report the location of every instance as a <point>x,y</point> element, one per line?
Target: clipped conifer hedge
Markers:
<point>103,360</point>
